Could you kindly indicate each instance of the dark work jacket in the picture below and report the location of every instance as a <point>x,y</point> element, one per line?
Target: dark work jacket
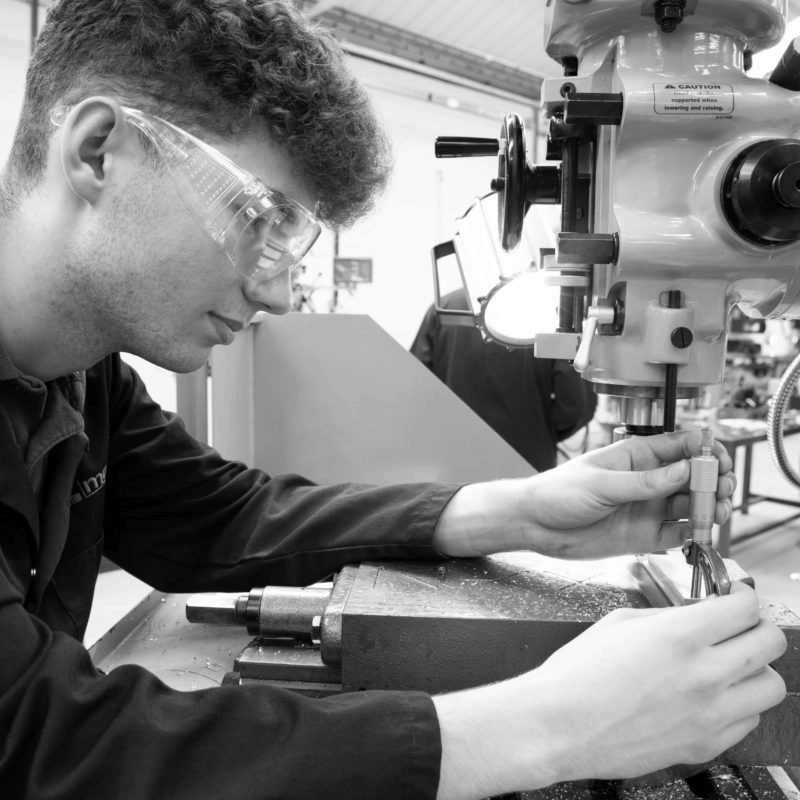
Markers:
<point>533,403</point>
<point>175,514</point>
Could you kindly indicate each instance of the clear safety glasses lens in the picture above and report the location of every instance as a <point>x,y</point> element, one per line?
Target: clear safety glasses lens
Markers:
<point>262,231</point>
<point>272,234</point>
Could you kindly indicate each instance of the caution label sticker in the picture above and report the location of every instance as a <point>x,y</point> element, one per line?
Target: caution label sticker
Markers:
<point>715,99</point>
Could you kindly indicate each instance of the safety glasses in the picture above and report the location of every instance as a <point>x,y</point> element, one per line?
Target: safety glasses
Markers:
<point>263,232</point>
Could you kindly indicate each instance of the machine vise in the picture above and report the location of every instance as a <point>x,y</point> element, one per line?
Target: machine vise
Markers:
<point>444,626</point>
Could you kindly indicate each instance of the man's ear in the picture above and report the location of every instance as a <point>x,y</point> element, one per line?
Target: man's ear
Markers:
<point>93,135</point>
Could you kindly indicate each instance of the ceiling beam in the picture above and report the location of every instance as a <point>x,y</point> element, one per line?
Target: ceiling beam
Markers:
<point>380,37</point>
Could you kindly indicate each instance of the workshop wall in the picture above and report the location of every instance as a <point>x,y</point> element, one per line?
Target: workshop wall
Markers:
<point>423,200</point>
<point>14,50</point>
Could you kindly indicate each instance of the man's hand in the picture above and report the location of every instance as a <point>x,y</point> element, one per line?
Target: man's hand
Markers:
<point>639,691</point>
<point>607,502</point>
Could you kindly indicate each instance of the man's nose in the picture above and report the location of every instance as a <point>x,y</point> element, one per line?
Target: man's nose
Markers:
<point>273,295</point>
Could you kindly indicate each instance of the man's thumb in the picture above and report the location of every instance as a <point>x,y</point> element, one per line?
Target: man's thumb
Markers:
<point>664,481</point>
<point>649,484</point>
<point>678,472</point>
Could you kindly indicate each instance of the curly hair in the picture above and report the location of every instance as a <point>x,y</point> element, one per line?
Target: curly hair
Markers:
<point>212,66</point>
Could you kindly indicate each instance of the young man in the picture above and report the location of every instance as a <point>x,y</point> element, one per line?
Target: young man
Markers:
<point>121,231</point>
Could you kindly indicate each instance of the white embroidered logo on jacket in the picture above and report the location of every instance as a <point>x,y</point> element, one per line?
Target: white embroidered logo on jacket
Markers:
<point>86,488</point>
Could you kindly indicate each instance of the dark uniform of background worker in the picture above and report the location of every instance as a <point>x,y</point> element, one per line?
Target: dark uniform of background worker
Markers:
<point>104,247</point>
<point>533,403</point>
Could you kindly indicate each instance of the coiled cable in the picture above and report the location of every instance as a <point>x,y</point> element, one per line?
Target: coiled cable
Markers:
<point>777,411</point>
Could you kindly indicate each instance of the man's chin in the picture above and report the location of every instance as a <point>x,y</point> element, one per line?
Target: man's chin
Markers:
<point>182,363</point>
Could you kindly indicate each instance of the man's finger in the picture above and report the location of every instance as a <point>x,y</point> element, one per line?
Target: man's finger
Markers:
<point>648,484</point>
<point>744,655</point>
<point>756,693</point>
<point>670,447</point>
<point>727,485</point>
<point>736,731</point>
<point>717,619</point>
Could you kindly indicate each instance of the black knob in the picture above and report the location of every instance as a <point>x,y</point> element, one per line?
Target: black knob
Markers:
<point>681,338</point>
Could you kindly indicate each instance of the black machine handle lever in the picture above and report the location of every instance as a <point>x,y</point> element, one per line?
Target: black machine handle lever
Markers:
<point>460,146</point>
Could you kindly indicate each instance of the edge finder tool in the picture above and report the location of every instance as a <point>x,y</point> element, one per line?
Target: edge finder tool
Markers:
<point>708,568</point>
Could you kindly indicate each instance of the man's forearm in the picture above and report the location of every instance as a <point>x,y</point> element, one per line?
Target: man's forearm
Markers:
<point>486,751</point>
<point>485,518</point>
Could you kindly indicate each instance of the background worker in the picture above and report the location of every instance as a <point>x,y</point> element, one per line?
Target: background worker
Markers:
<point>533,403</point>
<point>108,242</point>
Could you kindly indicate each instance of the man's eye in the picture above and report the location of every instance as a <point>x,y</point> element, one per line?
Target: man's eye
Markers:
<point>289,222</point>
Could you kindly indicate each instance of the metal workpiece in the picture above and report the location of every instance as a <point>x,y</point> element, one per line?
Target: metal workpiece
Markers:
<point>267,611</point>
<point>667,581</point>
<point>708,569</point>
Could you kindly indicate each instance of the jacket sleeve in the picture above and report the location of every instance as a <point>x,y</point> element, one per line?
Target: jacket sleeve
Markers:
<point>70,733</point>
<point>574,401</point>
<point>182,518</point>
